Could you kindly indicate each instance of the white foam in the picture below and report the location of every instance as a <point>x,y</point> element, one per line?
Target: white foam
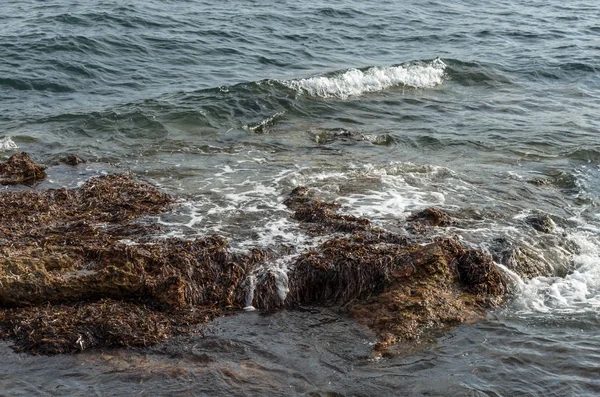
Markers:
<point>6,143</point>
<point>279,270</point>
<point>269,121</point>
<point>579,290</point>
<point>355,82</point>
<point>379,192</point>
<point>282,231</point>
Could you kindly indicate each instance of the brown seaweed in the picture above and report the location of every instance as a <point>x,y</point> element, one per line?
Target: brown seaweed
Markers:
<point>69,328</point>
<point>20,169</point>
<point>397,287</point>
<point>78,269</point>
<point>62,251</point>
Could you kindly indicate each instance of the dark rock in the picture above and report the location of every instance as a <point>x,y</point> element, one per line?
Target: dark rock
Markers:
<point>421,222</point>
<point>540,222</point>
<point>431,217</point>
<point>479,274</point>
<point>71,159</point>
<point>396,287</point>
<point>62,255</point>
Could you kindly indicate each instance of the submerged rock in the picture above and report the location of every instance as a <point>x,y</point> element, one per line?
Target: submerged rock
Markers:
<point>20,169</point>
<point>540,222</point>
<point>71,159</point>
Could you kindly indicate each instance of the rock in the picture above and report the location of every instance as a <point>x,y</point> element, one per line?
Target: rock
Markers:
<point>540,222</point>
<point>68,282</point>
<point>61,254</point>
<point>431,217</point>
<point>71,159</point>
<point>20,169</point>
<point>397,287</point>
<point>421,222</point>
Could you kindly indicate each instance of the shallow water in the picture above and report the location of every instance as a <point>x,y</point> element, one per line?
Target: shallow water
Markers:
<point>320,353</point>
<point>489,112</point>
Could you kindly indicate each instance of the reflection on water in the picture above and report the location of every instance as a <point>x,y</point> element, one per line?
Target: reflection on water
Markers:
<point>320,353</point>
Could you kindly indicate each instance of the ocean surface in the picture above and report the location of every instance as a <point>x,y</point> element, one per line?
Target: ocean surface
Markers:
<point>490,111</point>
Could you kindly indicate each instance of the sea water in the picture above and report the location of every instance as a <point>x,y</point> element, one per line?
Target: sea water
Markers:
<point>488,111</point>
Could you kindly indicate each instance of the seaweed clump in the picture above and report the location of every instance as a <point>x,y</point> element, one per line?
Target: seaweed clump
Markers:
<point>79,269</point>
<point>421,221</point>
<point>20,169</point>
<point>398,287</point>
<point>69,328</point>
<point>83,268</point>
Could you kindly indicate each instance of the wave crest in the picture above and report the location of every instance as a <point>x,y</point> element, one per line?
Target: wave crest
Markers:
<point>355,82</point>
<point>6,143</point>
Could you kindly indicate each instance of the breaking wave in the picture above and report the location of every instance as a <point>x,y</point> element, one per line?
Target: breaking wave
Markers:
<point>355,82</point>
<point>6,143</point>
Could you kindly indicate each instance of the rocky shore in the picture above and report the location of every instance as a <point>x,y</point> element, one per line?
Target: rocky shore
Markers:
<point>84,268</point>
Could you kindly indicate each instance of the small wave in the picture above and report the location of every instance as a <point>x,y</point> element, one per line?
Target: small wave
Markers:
<point>263,125</point>
<point>6,143</point>
<point>34,85</point>
<point>355,82</point>
<point>477,73</point>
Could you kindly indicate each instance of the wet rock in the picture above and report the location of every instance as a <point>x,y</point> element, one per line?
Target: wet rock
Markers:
<point>71,159</point>
<point>397,287</point>
<point>398,290</point>
<point>431,217</point>
<point>69,281</point>
<point>533,256</point>
<point>433,297</point>
<point>540,222</point>
<point>20,169</point>
<point>322,217</point>
<point>61,253</point>
<point>479,274</point>
<point>422,221</point>
<point>70,328</point>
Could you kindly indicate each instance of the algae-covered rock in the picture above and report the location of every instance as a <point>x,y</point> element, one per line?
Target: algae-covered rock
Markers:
<point>77,270</point>
<point>398,287</point>
<point>20,169</point>
<point>540,222</point>
<point>431,217</point>
<point>62,251</point>
<point>70,328</point>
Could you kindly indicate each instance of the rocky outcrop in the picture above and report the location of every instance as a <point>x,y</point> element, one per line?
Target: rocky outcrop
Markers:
<point>78,269</point>
<point>399,287</point>
<point>20,169</point>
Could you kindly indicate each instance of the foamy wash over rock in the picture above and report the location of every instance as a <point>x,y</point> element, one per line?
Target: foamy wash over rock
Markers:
<point>74,268</point>
<point>486,113</point>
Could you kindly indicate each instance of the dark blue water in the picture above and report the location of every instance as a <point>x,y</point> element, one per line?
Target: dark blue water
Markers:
<point>491,112</point>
